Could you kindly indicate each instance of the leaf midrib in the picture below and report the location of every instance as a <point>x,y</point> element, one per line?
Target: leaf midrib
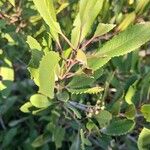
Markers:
<point>127,41</point>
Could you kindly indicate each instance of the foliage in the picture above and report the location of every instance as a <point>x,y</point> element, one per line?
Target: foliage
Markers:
<point>74,74</point>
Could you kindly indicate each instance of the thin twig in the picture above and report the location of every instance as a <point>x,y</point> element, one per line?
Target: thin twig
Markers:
<point>96,39</point>
<point>58,43</point>
<point>88,42</point>
<point>69,68</point>
<point>69,75</point>
<point>67,40</point>
<point>131,138</point>
<point>81,106</point>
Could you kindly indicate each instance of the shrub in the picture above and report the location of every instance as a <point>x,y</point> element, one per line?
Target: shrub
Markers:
<point>87,92</point>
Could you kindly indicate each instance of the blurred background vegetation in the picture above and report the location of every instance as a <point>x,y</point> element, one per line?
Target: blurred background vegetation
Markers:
<point>130,73</point>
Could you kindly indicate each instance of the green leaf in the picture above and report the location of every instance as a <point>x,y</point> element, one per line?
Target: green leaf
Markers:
<point>126,41</point>
<point>130,2</point>
<point>47,11</point>
<point>81,57</point>
<point>34,75</point>
<point>7,75</point>
<point>116,106</point>
<point>9,136</point>
<point>75,111</point>
<point>84,80</point>
<point>2,25</point>
<point>59,134</point>
<point>129,18</point>
<point>36,52</point>
<point>90,125</point>
<point>76,143</point>
<point>82,139</point>
<point>40,140</point>
<point>93,90</point>
<point>63,96</point>
<point>40,101</point>
<point>62,7</point>
<point>12,2</point>
<point>96,62</point>
<point>103,29</point>
<point>144,139</point>
<point>47,68</point>
<point>130,112</point>
<point>130,93</point>
<point>37,111</point>
<point>87,142</point>
<point>25,107</point>
<point>17,122</point>
<point>36,55</point>
<point>33,43</point>
<point>103,118</point>
<point>85,19</point>
<point>8,104</point>
<point>9,38</point>
<point>145,109</point>
<point>98,73</point>
<point>141,5</point>
<point>119,127</point>
<point>121,44</point>
<point>66,53</point>
<point>80,81</point>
